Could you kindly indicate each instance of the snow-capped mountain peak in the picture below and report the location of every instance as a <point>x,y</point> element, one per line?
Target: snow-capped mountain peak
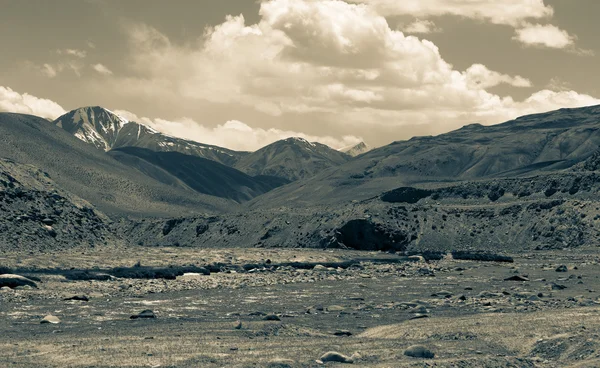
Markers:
<point>106,130</point>
<point>93,124</point>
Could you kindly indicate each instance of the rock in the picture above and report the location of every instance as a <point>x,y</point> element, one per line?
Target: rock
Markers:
<point>50,319</point>
<point>333,356</point>
<point>419,351</point>
<point>238,326</point>
<point>443,294</point>
<point>342,333</point>
<point>82,298</point>
<point>556,286</point>
<point>516,278</point>
<point>419,316</point>
<point>416,258</point>
<point>12,281</point>
<point>561,268</point>
<point>320,268</point>
<point>335,308</point>
<point>271,317</point>
<point>147,314</point>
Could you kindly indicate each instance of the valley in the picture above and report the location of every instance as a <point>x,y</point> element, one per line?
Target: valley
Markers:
<point>479,246</point>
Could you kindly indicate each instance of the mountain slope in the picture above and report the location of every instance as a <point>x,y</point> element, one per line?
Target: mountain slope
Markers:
<point>202,175</point>
<point>529,145</point>
<point>91,174</point>
<point>37,215</point>
<point>292,159</point>
<point>106,130</point>
<point>356,150</point>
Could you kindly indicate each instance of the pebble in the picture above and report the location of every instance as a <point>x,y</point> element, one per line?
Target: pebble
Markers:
<point>50,319</point>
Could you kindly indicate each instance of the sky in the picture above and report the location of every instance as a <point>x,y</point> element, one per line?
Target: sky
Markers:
<point>242,73</point>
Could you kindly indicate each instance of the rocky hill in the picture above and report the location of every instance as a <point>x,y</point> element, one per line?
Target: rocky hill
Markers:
<point>292,159</point>
<point>37,215</point>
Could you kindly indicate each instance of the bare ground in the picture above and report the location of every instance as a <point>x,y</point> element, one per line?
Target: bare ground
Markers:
<point>474,317</point>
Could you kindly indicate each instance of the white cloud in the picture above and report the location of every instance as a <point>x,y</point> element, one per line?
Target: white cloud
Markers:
<point>329,60</point>
<point>544,36</point>
<point>72,52</point>
<point>421,26</point>
<point>510,12</point>
<point>102,69</point>
<point>90,44</point>
<point>25,103</point>
<point>479,76</point>
<point>233,134</point>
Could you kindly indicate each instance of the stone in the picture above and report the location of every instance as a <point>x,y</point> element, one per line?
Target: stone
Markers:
<point>335,308</point>
<point>320,268</point>
<point>419,351</point>
<point>12,281</point>
<point>50,319</point>
<point>516,278</point>
<point>271,317</point>
<point>147,314</point>
<point>334,356</point>
<point>342,333</point>
<point>81,298</point>
<point>561,268</point>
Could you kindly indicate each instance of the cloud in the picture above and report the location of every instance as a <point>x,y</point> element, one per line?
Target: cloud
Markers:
<point>72,52</point>
<point>508,12</point>
<point>337,63</point>
<point>479,76</point>
<point>48,70</point>
<point>90,44</point>
<point>233,134</point>
<point>102,69</point>
<point>25,103</point>
<point>421,26</point>
<point>544,36</point>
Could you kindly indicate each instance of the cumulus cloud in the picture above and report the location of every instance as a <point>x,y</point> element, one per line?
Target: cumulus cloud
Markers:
<point>509,12</point>
<point>329,59</point>
<point>232,134</point>
<point>11,101</point>
<point>544,36</point>
<point>479,76</point>
<point>421,26</point>
<point>102,69</point>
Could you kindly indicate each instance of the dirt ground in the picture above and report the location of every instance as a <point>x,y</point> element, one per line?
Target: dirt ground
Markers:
<point>465,312</point>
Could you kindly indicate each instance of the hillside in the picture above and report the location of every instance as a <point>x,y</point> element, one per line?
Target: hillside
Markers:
<point>37,215</point>
<point>292,159</point>
<point>529,145</point>
<point>91,174</point>
<point>202,175</point>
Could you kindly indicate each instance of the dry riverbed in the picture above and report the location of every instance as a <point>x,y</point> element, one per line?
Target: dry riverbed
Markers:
<point>467,313</point>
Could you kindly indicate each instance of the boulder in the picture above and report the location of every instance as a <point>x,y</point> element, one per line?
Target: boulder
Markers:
<point>12,281</point>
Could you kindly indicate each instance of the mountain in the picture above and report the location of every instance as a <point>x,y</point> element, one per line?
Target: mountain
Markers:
<point>356,150</point>
<point>87,172</point>
<point>529,145</point>
<point>292,159</point>
<point>199,174</point>
<point>106,130</point>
